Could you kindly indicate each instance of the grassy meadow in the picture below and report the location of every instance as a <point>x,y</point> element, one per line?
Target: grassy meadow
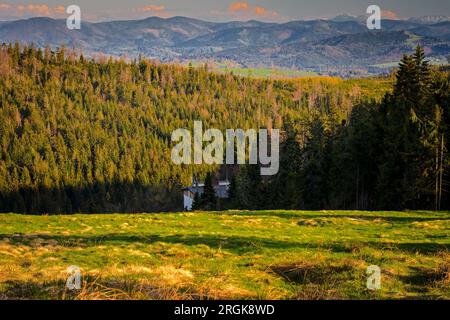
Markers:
<point>227,255</point>
<point>274,73</point>
<point>267,73</point>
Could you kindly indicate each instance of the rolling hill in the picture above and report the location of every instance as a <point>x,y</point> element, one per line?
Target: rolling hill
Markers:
<point>336,45</point>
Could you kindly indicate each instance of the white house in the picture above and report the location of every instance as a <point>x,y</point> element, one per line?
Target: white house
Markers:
<point>221,188</point>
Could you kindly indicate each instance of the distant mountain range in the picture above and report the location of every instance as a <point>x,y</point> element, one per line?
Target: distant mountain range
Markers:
<point>340,45</point>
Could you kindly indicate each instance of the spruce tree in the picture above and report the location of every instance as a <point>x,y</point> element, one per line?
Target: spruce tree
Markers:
<point>286,187</point>
<point>196,204</point>
<point>208,198</point>
<point>233,194</point>
<point>407,160</point>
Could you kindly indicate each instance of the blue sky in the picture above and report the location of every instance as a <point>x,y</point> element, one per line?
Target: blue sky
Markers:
<point>220,10</point>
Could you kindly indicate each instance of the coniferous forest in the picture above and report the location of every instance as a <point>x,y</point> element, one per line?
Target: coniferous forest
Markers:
<point>94,135</point>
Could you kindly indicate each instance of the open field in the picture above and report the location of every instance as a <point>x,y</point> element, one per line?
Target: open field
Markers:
<point>227,255</point>
<point>236,69</point>
<point>267,73</point>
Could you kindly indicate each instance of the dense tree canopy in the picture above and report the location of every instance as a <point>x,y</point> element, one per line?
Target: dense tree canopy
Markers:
<point>391,154</point>
<point>79,135</point>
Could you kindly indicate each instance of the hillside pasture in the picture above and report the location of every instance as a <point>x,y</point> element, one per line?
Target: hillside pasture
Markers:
<point>226,255</point>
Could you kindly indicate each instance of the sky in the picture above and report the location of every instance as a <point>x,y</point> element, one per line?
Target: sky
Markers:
<point>220,10</point>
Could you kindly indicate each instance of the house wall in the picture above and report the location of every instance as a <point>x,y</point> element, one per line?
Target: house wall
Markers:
<point>188,202</point>
<point>221,191</point>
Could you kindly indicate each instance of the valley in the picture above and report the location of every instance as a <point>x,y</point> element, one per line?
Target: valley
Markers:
<point>336,47</point>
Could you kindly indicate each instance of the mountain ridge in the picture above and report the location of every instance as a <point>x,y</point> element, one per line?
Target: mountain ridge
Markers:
<point>295,44</point>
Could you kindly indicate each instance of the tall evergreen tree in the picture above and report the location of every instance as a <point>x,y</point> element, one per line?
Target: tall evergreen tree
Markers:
<point>209,198</point>
<point>407,163</point>
<point>197,202</point>
<point>315,169</point>
<point>286,187</point>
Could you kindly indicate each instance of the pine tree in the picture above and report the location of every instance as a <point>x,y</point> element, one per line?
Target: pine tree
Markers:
<point>315,168</point>
<point>233,194</point>
<point>208,198</point>
<point>286,187</point>
<point>197,202</point>
<point>408,160</point>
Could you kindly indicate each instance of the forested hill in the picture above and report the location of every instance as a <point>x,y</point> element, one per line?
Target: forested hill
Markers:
<point>78,135</point>
<point>337,46</point>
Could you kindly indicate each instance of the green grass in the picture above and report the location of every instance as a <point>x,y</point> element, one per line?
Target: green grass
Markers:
<point>273,73</point>
<point>267,73</point>
<point>387,65</point>
<point>436,61</point>
<point>227,255</point>
<point>413,39</point>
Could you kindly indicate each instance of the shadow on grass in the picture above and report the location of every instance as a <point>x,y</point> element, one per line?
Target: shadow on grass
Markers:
<point>237,245</point>
<point>314,273</point>
<point>306,215</point>
<point>94,288</point>
<point>422,279</point>
<point>15,290</point>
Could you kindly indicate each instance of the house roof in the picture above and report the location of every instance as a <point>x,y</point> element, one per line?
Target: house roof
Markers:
<point>221,188</point>
<point>224,183</point>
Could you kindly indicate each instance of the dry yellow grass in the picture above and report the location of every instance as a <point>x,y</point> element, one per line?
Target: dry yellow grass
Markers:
<point>231,255</point>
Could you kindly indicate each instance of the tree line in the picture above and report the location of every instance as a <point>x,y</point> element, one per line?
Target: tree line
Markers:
<point>387,155</point>
<point>93,135</point>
